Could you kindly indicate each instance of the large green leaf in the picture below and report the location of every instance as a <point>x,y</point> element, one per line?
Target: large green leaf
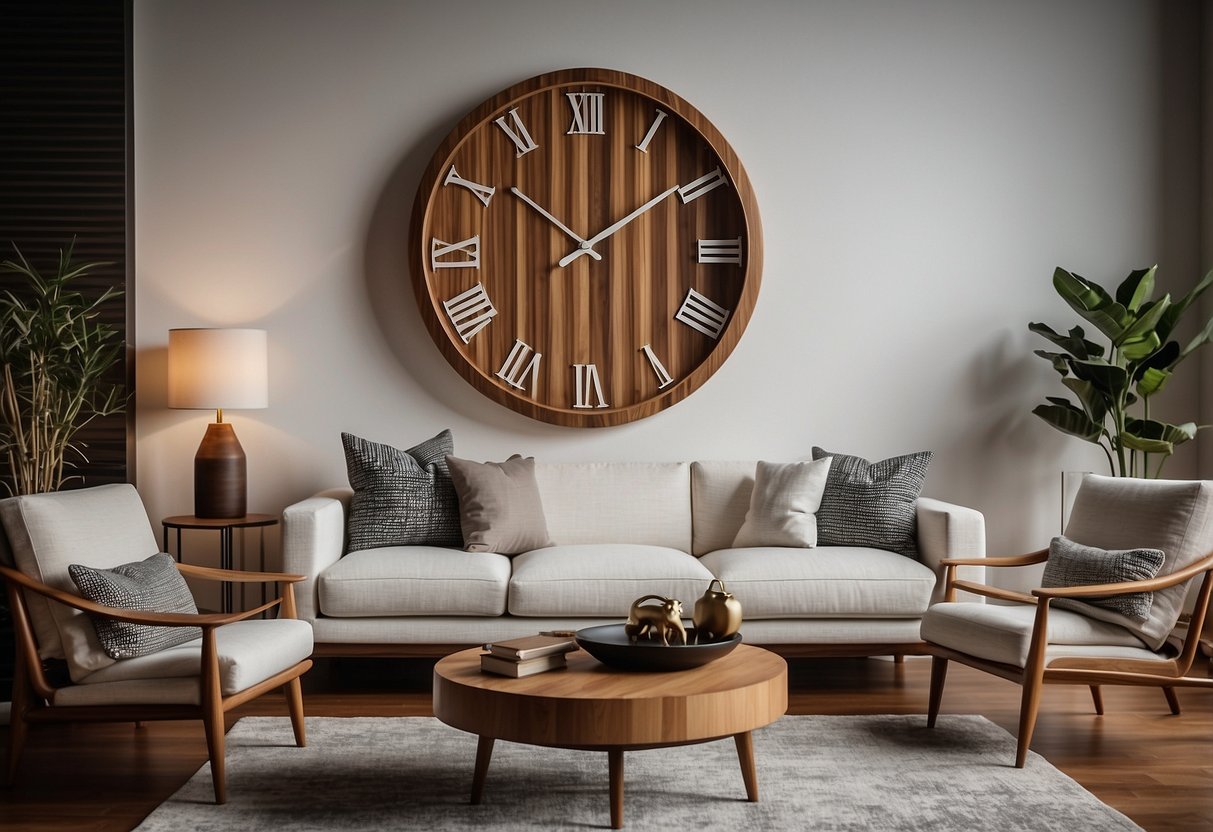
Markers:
<point>1069,419</point>
<point>1200,340</point>
<point>1093,402</point>
<point>1144,323</point>
<point>1152,381</point>
<point>1136,289</point>
<point>1060,361</point>
<point>1139,349</point>
<point>1156,437</point>
<point>1107,378</point>
<point>1074,342</point>
<point>1092,302</point>
<point>1171,319</point>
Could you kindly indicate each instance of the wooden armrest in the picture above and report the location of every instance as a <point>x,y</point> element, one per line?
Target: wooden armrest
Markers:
<point>208,573</point>
<point>994,592</point>
<point>159,619</point>
<point>1124,587</point>
<point>1016,560</point>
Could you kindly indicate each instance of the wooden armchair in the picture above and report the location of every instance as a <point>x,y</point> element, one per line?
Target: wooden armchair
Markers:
<point>1033,642</point>
<point>238,657</point>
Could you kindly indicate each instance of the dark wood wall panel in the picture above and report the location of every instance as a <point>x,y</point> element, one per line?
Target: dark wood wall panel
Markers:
<point>65,170</point>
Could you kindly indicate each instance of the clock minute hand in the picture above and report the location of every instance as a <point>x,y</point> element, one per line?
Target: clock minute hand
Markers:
<point>553,220</point>
<point>587,246</point>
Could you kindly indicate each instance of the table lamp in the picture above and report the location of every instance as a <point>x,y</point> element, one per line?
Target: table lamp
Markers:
<point>213,369</point>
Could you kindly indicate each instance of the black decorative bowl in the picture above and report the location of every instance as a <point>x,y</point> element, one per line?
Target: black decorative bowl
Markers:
<point>611,646</point>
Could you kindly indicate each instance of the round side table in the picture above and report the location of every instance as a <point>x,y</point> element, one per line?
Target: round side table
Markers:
<point>226,527</point>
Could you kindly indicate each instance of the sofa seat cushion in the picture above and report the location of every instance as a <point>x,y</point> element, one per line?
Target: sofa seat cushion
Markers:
<point>602,579</point>
<point>1003,634</point>
<point>825,582</point>
<point>415,580</point>
<point>249,652</point>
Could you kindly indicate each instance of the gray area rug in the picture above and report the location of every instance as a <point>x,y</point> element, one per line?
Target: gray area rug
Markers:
<point>814,772</point>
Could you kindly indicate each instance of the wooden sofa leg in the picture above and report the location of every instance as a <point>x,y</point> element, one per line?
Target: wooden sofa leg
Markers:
<point>294,702</point>
<point>939,673</point>
<point>1172,699</point>
<point>1097,698</point>
<point>899,658</point>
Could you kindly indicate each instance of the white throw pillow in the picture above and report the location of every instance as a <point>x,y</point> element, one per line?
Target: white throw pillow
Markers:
<point>783,505</point>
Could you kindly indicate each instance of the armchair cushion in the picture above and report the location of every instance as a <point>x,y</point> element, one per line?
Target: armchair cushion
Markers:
<point>1003,634</point>
<point>1072,564</point>
<point>101,527</point>
<point>249,653</point>
<point>1175,516</point>
<point>152,585</point>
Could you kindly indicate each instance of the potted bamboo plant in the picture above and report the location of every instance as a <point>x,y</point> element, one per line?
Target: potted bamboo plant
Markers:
<point>1113,383</point>
<point>55,358</point>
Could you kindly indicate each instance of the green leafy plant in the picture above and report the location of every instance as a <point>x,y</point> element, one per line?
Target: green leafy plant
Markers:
<point>1137,365</point>
<point>55,355</point>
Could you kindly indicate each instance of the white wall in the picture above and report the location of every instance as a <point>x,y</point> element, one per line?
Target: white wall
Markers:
<point>921,168</point>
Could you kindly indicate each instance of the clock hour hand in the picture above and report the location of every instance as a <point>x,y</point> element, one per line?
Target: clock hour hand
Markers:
<point>554,221</point>
<point>587,247</point>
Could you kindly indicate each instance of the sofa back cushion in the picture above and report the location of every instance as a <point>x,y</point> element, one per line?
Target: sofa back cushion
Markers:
<point>101,527</point>
<point>720,498</point>
<point>619,502</point>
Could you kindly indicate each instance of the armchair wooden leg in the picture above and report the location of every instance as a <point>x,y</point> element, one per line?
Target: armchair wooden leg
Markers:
<point>17,727</point>
<point>1097,698</point>
<point>939,673</point>
<point>1172,699</point>
<point>212,715</point>
<point>294,702</point>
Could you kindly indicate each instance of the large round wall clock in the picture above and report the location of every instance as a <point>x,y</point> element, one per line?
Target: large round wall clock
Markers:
<point>586,248</point>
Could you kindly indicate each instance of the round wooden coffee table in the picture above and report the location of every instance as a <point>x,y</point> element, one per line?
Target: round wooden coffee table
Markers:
<point>591,707</point>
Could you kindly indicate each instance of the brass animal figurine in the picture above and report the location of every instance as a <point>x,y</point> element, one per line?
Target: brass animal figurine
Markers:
<point>656,619</point>
<point>717,614</point>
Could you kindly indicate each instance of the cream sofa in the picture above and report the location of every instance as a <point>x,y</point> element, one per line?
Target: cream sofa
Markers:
<point>621,530</point>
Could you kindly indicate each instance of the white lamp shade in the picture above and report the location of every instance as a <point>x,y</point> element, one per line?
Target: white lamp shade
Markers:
<point>210,369</point>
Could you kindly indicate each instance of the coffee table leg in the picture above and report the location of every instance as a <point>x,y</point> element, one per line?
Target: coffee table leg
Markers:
<point>615,764</point>
<point>484,753</point>
<point>745,755</point>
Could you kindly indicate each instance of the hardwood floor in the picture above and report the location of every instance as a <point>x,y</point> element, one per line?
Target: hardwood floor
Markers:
<point>1154,767</point>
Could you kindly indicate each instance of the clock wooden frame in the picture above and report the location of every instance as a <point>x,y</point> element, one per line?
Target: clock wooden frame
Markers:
<point>624,323</point>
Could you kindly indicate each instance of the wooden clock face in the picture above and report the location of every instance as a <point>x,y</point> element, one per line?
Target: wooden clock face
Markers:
<point>586,248</point>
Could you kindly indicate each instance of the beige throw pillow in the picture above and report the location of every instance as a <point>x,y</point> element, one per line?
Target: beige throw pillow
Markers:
<point>499,506</point>
<point>783,505</point>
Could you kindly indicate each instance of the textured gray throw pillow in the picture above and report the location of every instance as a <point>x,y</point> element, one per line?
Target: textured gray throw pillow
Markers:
<point>872,503</point>
<point>499,505</point>
<point>1072,564</point>
<point>152,585</point>
<point>401,498</point>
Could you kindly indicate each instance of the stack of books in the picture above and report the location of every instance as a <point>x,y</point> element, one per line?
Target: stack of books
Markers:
<point>526,656</point>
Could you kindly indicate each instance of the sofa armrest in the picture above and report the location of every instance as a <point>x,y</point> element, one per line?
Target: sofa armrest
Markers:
<point>313,539</point>
<point>946,530</point>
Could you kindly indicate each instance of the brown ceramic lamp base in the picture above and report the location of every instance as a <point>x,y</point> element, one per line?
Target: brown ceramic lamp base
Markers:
<point>220,474</point>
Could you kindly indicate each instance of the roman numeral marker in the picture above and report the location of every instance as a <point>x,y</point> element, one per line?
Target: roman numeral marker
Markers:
<point>663,377</point>
<point>470,311</point>
<point>720,251</point>
<point>588,384</point>
<point>518,134</point>
<point>469,247</point>
<point>521,362</point>
<point>483,192</point>
<point>707,182</point>
<point>702,314</point>
<point>587,113</point>
<point>643,147</point>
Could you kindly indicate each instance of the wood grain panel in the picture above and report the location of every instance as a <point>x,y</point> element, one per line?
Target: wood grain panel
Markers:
<point>591,311</point>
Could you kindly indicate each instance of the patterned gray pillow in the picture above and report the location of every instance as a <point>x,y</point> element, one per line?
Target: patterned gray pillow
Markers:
<point>152,585</point>
<point>1073,564</point>
<point>872,503</point>
<point>401,498</point>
